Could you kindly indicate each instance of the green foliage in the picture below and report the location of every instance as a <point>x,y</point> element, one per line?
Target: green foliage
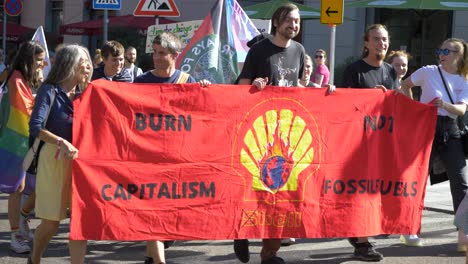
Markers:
<point>340,68</point>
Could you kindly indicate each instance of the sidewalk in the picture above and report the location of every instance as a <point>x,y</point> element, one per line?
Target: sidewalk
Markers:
<point>437,230</point>
<point>438,207</point>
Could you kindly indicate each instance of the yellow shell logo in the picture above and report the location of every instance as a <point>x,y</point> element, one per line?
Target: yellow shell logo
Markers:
<point>275,147</point>
<point>284,150</point>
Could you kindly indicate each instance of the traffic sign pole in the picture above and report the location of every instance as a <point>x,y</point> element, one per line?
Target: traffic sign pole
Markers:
<point>105,6</point>
<point>12,8</point>
<point>106,21</point>
<point>331,13</point>
<point>332,53</point>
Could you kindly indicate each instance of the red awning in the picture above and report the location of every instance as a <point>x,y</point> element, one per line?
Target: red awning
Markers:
<point>94,27</point>
<point>15,32</point>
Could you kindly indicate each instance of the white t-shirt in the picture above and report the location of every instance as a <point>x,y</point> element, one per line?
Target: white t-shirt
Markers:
<point>132,71</point>
<point>432,86</point>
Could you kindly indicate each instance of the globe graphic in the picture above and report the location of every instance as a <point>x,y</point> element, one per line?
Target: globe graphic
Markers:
<point>275,172</point>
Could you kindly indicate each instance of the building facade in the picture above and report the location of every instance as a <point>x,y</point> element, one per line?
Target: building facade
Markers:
<point>419,32</point>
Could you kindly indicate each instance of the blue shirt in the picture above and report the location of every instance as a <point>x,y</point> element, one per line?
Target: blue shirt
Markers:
<point>60,121</point>
<point>123,76</point>
<point>148,77</point>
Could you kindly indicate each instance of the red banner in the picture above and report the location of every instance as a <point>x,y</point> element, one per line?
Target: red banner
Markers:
<point>164,161</point>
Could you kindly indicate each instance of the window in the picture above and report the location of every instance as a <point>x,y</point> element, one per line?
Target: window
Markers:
<point>420,32</point>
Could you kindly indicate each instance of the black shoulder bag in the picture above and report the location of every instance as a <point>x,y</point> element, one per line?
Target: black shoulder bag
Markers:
<point>461,124</point>
<point>31,159</point>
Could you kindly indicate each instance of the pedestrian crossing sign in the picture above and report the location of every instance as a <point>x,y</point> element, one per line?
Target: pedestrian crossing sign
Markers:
<point>165,8</point>
<point>107,4</point>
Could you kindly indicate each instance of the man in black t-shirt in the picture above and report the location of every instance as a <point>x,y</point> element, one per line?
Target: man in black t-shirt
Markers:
<point>360,74</point>
<point>279,61</point>
<point>277,65</point>
<point>370,72</point>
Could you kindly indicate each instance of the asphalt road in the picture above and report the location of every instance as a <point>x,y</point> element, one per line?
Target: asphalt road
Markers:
<point>438,233</point>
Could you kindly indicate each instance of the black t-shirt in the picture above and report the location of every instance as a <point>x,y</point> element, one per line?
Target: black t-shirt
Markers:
<point>359,74</point>
<point>282,66</point>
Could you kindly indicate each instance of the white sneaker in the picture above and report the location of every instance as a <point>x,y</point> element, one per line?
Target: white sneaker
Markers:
<point>411,240</point>
<point>288,241</point>
<point>18,244</point>
<point>24,228</point>
<point>462,241</point>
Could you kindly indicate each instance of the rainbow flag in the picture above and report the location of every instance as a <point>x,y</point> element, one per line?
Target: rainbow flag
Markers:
<point>17,102</point>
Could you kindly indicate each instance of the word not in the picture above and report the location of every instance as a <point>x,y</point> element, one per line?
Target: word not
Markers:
<point>378,123</point>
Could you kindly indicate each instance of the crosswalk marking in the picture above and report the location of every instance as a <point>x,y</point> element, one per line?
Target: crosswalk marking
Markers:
<point>115,2</point>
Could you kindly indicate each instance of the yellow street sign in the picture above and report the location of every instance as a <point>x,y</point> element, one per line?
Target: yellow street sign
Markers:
<point>331,11</point>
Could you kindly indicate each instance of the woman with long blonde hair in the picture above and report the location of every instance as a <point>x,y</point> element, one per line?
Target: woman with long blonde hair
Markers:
<point>446,86</point>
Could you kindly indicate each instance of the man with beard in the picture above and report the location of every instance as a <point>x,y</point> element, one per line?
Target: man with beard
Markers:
<point>130,59</point>
<point>113,62</point>
<point>277,61</point>
<point>371,72</point>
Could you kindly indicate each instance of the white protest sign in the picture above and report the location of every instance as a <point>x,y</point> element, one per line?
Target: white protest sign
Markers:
<point>186,30</point>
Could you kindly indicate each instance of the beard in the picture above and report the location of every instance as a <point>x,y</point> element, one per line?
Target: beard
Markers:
<point>286,34</point>
<point>130,60</point>
<point>380,56</point>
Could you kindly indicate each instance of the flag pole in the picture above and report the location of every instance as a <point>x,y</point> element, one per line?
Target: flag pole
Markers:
<point>106,20</point>
<point>4,35</point>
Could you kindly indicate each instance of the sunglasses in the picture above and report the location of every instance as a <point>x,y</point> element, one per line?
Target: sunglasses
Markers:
<point>445,51</point>
<point>318,56</point>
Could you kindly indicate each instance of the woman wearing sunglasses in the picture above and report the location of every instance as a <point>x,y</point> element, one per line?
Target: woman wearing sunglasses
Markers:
<point>446,86</point>
<point>321,73</point>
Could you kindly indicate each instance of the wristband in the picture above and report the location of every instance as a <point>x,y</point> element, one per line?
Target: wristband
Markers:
<point>57,152</point>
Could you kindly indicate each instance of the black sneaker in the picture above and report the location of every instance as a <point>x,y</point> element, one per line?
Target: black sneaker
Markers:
<point>365,252</point>
<point>353,241</point>
<point>241,249</point>
<point>168,243</point>
<point>149,260</point>
<point>274,260</point>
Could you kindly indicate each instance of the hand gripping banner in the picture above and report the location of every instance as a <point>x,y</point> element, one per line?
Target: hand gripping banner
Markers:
<point>162,161</point>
